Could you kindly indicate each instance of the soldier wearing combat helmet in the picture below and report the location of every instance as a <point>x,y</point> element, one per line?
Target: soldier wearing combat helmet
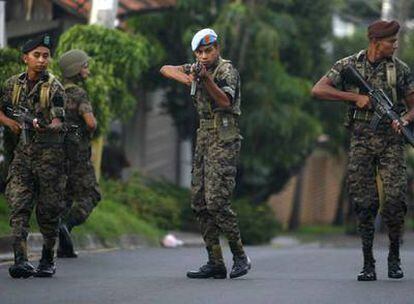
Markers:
<point>36,177</point>
<point>216,92</point>
<point>375,150</point>
<point>82,191</point>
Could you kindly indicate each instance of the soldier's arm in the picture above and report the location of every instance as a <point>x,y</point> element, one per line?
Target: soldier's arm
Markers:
<point>409,94</point>
<point>324,89</point>
<point>327,87</point>
<point>14,126</point>
<point>221,98</point>
<point>177,73</point>
<point>85,110</point>
<point>90,121</point>
<point>220,93</point>
<point>10,123</point>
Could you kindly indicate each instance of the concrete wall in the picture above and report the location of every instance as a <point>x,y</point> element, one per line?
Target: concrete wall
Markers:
<point>322,178</point>
<point>151,140</point>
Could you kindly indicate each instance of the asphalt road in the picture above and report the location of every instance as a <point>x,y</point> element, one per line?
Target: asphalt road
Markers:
<point>303,274</point>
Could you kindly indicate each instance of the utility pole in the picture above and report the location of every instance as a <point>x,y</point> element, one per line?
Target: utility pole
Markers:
<point>104,13</point>
<point>388,8</point>
<point>3,39</point>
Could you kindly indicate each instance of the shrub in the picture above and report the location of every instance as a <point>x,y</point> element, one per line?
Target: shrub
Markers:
<point>256,221</point>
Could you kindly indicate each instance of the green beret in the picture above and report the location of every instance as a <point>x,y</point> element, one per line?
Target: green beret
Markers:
<point>382,29</point>
<point>31,44</point>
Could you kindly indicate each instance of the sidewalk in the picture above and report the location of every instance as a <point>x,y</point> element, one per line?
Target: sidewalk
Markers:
<point>91,243</point>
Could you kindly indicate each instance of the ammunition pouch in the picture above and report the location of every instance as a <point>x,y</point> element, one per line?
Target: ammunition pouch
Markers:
<point>224,124</point>
<point>227,126</point>
<point>362,115</point>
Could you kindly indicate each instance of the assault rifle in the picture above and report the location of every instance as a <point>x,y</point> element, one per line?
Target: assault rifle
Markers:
<point>197,69</point>
<point>23,116</point>
<point>381,103</point>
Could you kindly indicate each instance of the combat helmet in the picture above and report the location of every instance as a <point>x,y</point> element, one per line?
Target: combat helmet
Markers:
<point>71,62</point>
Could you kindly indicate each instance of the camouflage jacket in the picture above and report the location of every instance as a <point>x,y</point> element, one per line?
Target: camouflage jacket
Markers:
<point>77,105</point>
<point>376,75</point>
<point>227,79</point>
<point>51,107</point>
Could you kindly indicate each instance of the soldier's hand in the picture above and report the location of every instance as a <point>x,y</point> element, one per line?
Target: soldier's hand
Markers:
<point>56,125</point>
<point>37,126</point>
<point>190,79</point>
<point>397,126</point>
<point>203,74</point>
<point>14,126</point>
<point>363,102</point>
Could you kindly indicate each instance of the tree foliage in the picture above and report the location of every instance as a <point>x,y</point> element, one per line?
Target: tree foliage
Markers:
<point>11,63</point>
<point>118,61</point>
<point>278,123</point>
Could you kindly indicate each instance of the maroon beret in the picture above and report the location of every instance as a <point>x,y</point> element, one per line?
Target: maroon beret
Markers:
<point>381,29</point>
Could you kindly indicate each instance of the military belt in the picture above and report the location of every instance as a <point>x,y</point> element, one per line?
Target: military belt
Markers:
<point>48,138</point>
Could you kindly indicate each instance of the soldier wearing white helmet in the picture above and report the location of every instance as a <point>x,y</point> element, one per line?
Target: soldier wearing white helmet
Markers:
<point>215,87</point>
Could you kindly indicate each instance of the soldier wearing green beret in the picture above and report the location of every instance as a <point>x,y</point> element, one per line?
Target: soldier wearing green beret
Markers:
<point>215,87</point>
<point>36,178</point>
<point>380,150</point>
<point>82,192</point>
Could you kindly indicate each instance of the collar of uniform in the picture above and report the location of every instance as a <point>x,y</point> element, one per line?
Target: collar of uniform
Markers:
<point>215,64</point>
<point>23,77</point>
<point>362,56</point>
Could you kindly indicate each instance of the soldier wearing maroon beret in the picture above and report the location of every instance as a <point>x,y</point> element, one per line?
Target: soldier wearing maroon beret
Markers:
<point>375,151</point>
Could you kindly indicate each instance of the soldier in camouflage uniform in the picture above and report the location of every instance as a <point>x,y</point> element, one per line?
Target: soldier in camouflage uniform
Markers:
<point>82,188</point>
<point>375,151</point>
<point>216,93</point>
<point>36,174</point>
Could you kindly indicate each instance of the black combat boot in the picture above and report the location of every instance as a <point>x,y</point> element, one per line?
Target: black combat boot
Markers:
<point>214,268</point>
<point>65,249</point>
<point>394,262</point>
<point>241,266</point>
<point>46,266</point>
<point>21,268</point>
<point>368,271</point>
<point>242,263</point>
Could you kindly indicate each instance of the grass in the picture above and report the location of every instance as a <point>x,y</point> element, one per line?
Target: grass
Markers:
<point>320,230</point>
<point>108,221</point>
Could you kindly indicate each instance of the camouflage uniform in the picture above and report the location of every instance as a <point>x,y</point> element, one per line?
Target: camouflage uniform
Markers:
<point>379,151</point>
<point>82,188</point>
<point>36,175</point>
<point>215,161</point>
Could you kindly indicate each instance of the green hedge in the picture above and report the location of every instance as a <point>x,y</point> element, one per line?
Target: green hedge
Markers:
<point>168,207</point>
<point>150,207</point>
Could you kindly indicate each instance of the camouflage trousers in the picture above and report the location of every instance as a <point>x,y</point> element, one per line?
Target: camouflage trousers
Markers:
<point>36,179</point>
<point>382,152</point>
<point>213,180</point>
<point>82,191</point>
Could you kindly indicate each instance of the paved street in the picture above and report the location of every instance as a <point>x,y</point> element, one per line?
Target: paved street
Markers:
<point>302,274</point>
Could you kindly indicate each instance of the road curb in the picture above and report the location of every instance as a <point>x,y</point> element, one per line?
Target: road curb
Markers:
<point>92,243</point>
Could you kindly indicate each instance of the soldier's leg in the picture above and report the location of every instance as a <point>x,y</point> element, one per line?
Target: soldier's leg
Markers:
<point>394,176</point>
<point>221,169</point>
<point>50,206</point>
<point>364,197</point>
<point>209,230</point>
<point>20,197</point>
<point>83,192</point>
